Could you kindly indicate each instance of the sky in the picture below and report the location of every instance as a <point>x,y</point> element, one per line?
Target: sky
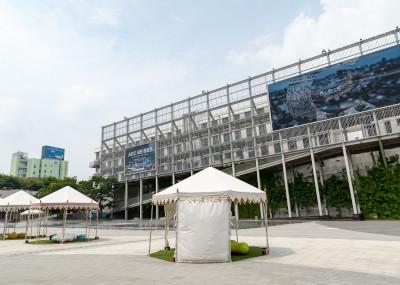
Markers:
<point>69,67</point>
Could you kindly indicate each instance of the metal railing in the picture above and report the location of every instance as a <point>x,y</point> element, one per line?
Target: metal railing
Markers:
<point>232,124</point>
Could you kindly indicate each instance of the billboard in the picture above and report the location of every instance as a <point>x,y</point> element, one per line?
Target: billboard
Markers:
<point>366,82</point>
<point>140,158</point>
<point>51,152</point>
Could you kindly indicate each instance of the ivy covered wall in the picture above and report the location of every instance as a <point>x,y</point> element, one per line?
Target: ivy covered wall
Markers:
<point>377,190</point>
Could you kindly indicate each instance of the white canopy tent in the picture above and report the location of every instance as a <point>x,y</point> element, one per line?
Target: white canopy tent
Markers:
<point>18,201</point>
<point>203,211</point>
<point>32,212</point>
<point>67,198</point>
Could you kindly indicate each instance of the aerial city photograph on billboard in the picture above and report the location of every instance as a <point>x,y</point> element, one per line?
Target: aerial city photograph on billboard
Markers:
<point>140,158</point>
<point>367,82</point>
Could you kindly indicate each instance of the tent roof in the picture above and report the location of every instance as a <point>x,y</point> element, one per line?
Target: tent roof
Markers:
<point>66,198</point>
<point>18,200</point>
<point>210,184</point>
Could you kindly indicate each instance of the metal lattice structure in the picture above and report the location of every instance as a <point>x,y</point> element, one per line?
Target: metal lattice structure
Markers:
<point>231,125</point>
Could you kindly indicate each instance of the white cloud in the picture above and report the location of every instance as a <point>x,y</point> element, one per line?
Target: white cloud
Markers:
<point>106,16</point>
<point>59,85</point>
<point>341,22</point>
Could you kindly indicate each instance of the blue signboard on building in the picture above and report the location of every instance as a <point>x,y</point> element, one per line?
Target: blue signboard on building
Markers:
<point>140,158</point>
<point>51,152</point>
<point>366,82</point>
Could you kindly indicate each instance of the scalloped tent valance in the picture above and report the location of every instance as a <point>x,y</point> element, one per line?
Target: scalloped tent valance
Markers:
<point>210,184</point>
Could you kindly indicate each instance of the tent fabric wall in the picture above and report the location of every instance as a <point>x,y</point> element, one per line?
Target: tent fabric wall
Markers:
<point>203,231</point>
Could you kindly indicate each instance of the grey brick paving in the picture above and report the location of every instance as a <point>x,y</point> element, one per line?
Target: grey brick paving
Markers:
<point>305,253</point>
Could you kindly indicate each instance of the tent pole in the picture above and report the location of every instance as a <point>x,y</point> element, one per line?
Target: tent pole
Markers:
<point>15,219</point>
<point>266,227</point>
<point>86,220</point>
<point>31,223</point>
<point>176,226</point>
<point>46,221</point>
<point>166,245</point>
<point>151,228</point>
<point>97,223</point>
<point>64,223</point>
<point>26,227</point>
<point>4,226</point>
<point>90,222</point>
<point>8,219</point>
<point>236,220</point>
<point>39,224</point>
<point>15,222</point>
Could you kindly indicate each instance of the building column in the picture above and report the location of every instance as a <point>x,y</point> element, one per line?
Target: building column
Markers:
<point>378,130</point>
<point>126,200</point>
<point>316,182</point>
<point>353,179</point>
<point>349,179</point>
<point>291,178</point>
<point>173,178</point>
<point>285,180</point>
<point>348,171</point>
<point>321,180</point>
<point>141,199</point>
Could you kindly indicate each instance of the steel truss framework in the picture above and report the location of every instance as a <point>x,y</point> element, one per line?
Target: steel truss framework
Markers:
<point>232,125</point>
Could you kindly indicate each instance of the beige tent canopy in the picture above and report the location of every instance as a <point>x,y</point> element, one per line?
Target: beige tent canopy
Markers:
<point>18,201</point>
<point>203,211</point>
<point>67,198</point>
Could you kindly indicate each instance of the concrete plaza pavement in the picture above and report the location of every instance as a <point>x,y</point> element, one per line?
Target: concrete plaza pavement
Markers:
<point>329,252</point>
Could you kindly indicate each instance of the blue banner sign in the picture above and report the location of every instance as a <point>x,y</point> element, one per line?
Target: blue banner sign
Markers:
<point>140,158</point>
<point>51,152</point>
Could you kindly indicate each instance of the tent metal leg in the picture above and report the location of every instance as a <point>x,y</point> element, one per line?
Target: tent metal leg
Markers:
<point>176,227</point>
<point>5,225</point>
<point>64,224</point>
<point>266,228</point>
<point>90,222</point>
<point>151,228</point>
<point>97,224</point>
<point>45,222</point>
<point>236,220</point>
<point>15,222</point>
<point>27,227</point>
<point>31,224</point>
<point>166,245</point>
<point>86,223</point>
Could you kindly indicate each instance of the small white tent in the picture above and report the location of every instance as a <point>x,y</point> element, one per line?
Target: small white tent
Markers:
<point>20,200</point>
<point>67,198</point>
<point>203,203</point>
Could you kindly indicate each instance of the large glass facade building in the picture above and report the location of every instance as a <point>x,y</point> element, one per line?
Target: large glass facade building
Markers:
<point>231,128</point>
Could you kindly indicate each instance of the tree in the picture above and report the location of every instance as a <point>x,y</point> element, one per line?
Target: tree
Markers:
<point>99,189</point>
<point>337,193</point>
<point>379,190</point>
<point>302,192</point>
<point>10,182</point>
<point>56,185</point>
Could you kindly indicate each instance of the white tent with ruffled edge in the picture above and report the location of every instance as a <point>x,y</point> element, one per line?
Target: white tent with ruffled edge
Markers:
<point>65,199</point>
<point>202,205</point>
<point>14,203</point>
